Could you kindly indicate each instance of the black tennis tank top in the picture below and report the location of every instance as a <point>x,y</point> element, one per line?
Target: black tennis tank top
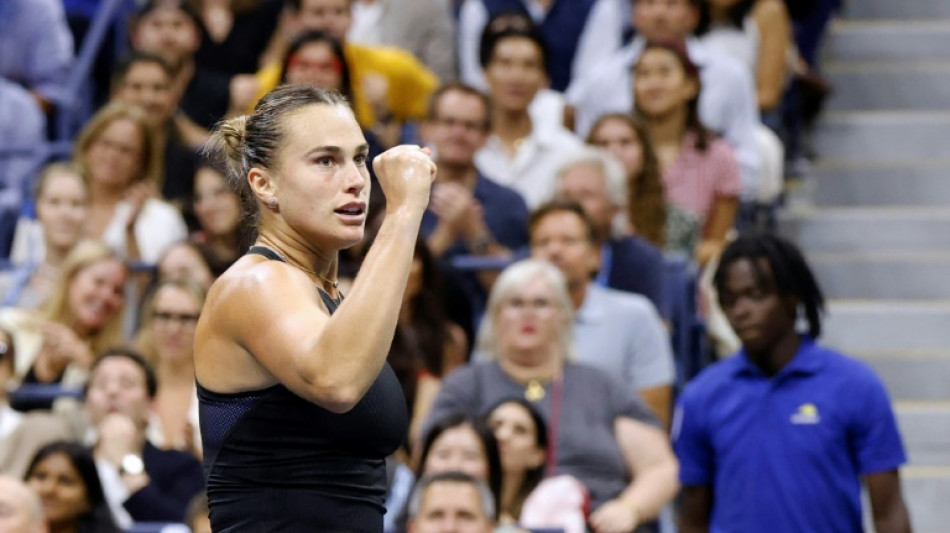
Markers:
<point>276,462</point>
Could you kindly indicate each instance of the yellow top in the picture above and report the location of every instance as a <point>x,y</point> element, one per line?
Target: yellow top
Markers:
<point>409,82</point>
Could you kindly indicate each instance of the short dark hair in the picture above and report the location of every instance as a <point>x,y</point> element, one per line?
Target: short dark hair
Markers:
<point>485,495</point>
<point>182,5</point>
<point>456,86</point>
<point>151,381</point>
<point>125,65</point>
<point>507,25</point>
<point>790,272</point>
<point>562,206</point>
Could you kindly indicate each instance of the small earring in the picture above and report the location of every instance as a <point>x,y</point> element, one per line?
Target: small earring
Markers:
<point>272,202</point>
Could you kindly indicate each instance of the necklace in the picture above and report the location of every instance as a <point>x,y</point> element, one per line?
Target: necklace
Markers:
<point>295,265</point>
<point>534,391</point>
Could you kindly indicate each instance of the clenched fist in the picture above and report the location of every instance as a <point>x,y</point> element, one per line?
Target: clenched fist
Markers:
<point>405,174</point>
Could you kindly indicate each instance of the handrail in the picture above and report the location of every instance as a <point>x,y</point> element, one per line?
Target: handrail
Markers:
<point>40,396</point>
<point>79,74</point>
<point>468,263</point>
<point>133,266</point>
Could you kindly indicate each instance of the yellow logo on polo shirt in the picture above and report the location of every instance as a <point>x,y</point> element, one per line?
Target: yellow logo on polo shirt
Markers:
<point>807,414</point>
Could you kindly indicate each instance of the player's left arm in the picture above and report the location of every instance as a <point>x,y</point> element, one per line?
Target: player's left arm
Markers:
<point>887,503</point>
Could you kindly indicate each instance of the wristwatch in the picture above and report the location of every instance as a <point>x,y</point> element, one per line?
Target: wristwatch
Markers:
<point>131,465</point>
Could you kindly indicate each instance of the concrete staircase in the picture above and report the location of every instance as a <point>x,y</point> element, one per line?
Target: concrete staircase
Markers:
<point>879,237</point>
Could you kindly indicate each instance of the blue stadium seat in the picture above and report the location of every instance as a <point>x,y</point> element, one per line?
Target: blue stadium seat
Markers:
<point>30,396</point>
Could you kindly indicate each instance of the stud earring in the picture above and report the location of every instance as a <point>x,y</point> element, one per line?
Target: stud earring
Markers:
<point>272,202</point>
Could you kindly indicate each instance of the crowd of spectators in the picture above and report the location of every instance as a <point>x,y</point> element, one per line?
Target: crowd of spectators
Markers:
<point>582,146</point>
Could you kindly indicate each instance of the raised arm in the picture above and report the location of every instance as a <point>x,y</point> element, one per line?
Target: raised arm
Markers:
<point>276,315</point>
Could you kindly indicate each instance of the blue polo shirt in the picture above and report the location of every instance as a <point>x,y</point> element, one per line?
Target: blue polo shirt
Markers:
<point>786,453</point>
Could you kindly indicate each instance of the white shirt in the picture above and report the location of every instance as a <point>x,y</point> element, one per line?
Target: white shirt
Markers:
<point>532,171</point>
<point>9,420</point>
<point>367,21</point>
<point>158,226</point>
<point>602,35</point>
<point>115,492</point>
<point>743,44</point>
<point>727,102</point>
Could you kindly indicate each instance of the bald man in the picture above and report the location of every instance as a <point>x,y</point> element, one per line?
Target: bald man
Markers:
<point>20,509</point>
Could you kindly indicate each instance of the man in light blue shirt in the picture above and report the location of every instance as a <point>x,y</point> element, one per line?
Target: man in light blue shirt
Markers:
<point>620,333</point>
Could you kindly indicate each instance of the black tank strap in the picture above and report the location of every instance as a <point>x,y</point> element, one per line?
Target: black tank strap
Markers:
<point>266,252</point>
<point>331,304</point>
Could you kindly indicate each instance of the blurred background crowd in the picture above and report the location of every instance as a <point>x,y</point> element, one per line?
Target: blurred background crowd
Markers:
<point>622,142</point>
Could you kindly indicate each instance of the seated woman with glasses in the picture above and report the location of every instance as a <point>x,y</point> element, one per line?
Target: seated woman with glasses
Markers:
<point>167,339</point>
<point>600,433</point>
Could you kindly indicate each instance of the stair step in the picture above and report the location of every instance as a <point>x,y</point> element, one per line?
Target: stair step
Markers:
<point>925,494</point>
<point>914,376</point>
<point>851,40</point>
<point>883,135</point>
<point>891,9</point>
<point>925,429</point>
<point>889,85</point>
<point>851,183</point>
<point>892,326</point>
<point>921,275</point>
<point>869,230</point>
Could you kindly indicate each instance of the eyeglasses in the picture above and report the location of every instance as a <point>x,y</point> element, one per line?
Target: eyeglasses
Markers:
<point>539,304</point>
<point>185,319</point>
<point>332,65</point>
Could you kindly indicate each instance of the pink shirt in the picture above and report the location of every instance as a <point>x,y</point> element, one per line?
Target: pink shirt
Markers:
<point>696,179</point>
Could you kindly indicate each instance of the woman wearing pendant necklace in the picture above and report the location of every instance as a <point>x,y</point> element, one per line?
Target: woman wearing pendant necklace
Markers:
<point>599,431</point>
<point>298,408</point>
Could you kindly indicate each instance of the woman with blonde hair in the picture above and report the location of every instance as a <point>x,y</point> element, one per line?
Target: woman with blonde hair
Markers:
<point>116,150</point>
<point>82,317</point>
<point>167,339</point>
<point>599,431</point>
<point>40,246</point>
